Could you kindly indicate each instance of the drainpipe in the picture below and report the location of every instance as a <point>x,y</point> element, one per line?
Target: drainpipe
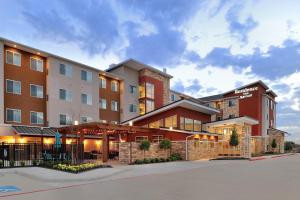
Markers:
<point>186,146</point>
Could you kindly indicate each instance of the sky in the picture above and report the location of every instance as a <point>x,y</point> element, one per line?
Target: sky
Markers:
<point>209,46</point>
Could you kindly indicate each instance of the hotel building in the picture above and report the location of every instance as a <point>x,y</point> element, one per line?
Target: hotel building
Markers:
<point>39,89</point>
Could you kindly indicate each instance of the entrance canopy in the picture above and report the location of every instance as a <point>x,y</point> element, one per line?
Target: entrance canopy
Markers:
<point>233,121</point>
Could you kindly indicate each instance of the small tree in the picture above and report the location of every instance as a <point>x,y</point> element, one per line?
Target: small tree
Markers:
<point>288,146</point>
<point>165,144</point>
<point>144,146</point>
<point>234,138</point>
<point>274,144</point>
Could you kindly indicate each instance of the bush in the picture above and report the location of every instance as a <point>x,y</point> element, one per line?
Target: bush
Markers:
<point>165,144</point>
<point>22,163</point>
<point>146,161</point>
<point>145,145</point>
<point>138,162</point>
<point>288,146</point>
<point>34,163</point>
<point>12,163</point>
<point>162,160</point>
<point>1,163</point>
<point>175,156</point>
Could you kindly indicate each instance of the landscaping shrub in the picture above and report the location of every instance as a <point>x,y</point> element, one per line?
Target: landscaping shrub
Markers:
<point>1,163</point>
<point>146,161</point>
<point>274,144</point>
<point>22,163</point>
<point>34,163</point>
<point>144,146</point>
<point>12,163</point>
<point>162,160</point>
<point>138,162</point>
<point>175,156</point>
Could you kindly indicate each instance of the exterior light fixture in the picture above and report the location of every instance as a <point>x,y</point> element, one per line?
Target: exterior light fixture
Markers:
<point>15,46</point>
<point>130,123</point>
<point>171,128</point>
<point>38,53</point>
<point>76,123</point>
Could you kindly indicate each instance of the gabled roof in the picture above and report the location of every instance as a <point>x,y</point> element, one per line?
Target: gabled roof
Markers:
<point>185,96</point>
<point>236,120</point>
<point>185,103</point>
<point>136,65</point>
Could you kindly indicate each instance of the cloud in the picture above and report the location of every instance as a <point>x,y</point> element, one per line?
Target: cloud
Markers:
<point>276,62</point>
<point>238,28</point>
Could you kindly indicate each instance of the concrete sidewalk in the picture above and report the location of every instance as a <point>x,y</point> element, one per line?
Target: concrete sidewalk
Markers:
<point>271,156</point>
<point>125,171</point>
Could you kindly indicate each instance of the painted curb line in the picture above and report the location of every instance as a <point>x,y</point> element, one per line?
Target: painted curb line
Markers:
<point>270,157</point>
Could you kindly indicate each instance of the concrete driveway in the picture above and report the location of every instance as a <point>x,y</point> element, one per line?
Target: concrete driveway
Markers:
<point>277,178</point>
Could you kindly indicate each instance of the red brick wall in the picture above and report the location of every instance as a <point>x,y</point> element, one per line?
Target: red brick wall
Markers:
<point>252,107</point>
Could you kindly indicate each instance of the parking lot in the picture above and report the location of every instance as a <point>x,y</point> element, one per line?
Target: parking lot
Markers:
<point>276,178</point>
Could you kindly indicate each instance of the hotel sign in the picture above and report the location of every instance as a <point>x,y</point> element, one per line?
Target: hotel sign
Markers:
<point>246,92</point>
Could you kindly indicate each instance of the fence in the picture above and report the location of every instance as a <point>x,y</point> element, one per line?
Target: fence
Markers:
<point>14,155</point>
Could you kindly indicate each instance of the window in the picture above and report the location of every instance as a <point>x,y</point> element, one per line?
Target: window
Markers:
<point>140,138</point>
<point>218,105</point>
<point>85,119</point>
<point>149,105</point>
<point>142,91</point>
<point>103,103</point>
<point>197,125</point>
<point>142,108</point>
<point>232,102</point>
<point>36,64</point>
<point>13,58</point>
<point>271,104</point>
<point>157,138</point>
<point>114,106</point>
<point>86,76</point>
<point>114,86</point>
<point>36,91</point>
<point>13,87</point>
<point>65,119</point>
<point>102,82</point>
<point>219,118</point>
<point>114,122</point>
<point>36,117</point>
<point>171,121</point>
<point>149,90</point>
<point>65,95</point>
<point>156,124</point>
<point>182,123</point>
<point>132,108</point>
<point>65,70</point>
<point>132,89</point>
<point>188,124</point>
<point>13,115</point>
<point>231,116</point>
<point>86,99</point>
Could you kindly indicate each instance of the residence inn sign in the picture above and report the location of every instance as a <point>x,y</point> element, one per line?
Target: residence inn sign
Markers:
<point>246,92</point>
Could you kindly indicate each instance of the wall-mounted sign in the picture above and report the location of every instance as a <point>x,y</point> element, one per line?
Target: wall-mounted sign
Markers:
<point>246,92</point>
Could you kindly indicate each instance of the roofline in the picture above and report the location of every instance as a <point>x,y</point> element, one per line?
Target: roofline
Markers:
<point>256,82</point>
<point>272,92</point>
<point>188,96</point>
<point>146,66</point>
<point>47,54</point>
<point>161,109</point>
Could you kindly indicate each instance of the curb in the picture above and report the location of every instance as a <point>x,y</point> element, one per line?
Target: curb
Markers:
<point>271,157</point>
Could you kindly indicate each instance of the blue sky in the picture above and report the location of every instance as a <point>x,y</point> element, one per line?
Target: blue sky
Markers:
<point>209,46</point>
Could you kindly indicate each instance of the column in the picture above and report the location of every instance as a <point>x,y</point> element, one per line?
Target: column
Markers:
<point>105,147</point>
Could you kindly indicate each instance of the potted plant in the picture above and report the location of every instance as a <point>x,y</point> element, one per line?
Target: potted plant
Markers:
<point>144,146</point>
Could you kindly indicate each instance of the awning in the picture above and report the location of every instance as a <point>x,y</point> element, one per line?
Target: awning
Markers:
<point>46,131</point>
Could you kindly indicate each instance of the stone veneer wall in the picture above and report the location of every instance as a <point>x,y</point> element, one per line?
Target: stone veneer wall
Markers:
<point>203,150</point>
<point>234,110</point>
<point>279,137</point>
<point>165,80</point>
<point>258,145</point>
<point>130,151</point>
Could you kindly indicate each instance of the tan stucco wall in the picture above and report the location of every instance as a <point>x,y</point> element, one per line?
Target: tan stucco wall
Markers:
<point>56,81</point>
<point>130,77</point>
<point>2,89</point>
